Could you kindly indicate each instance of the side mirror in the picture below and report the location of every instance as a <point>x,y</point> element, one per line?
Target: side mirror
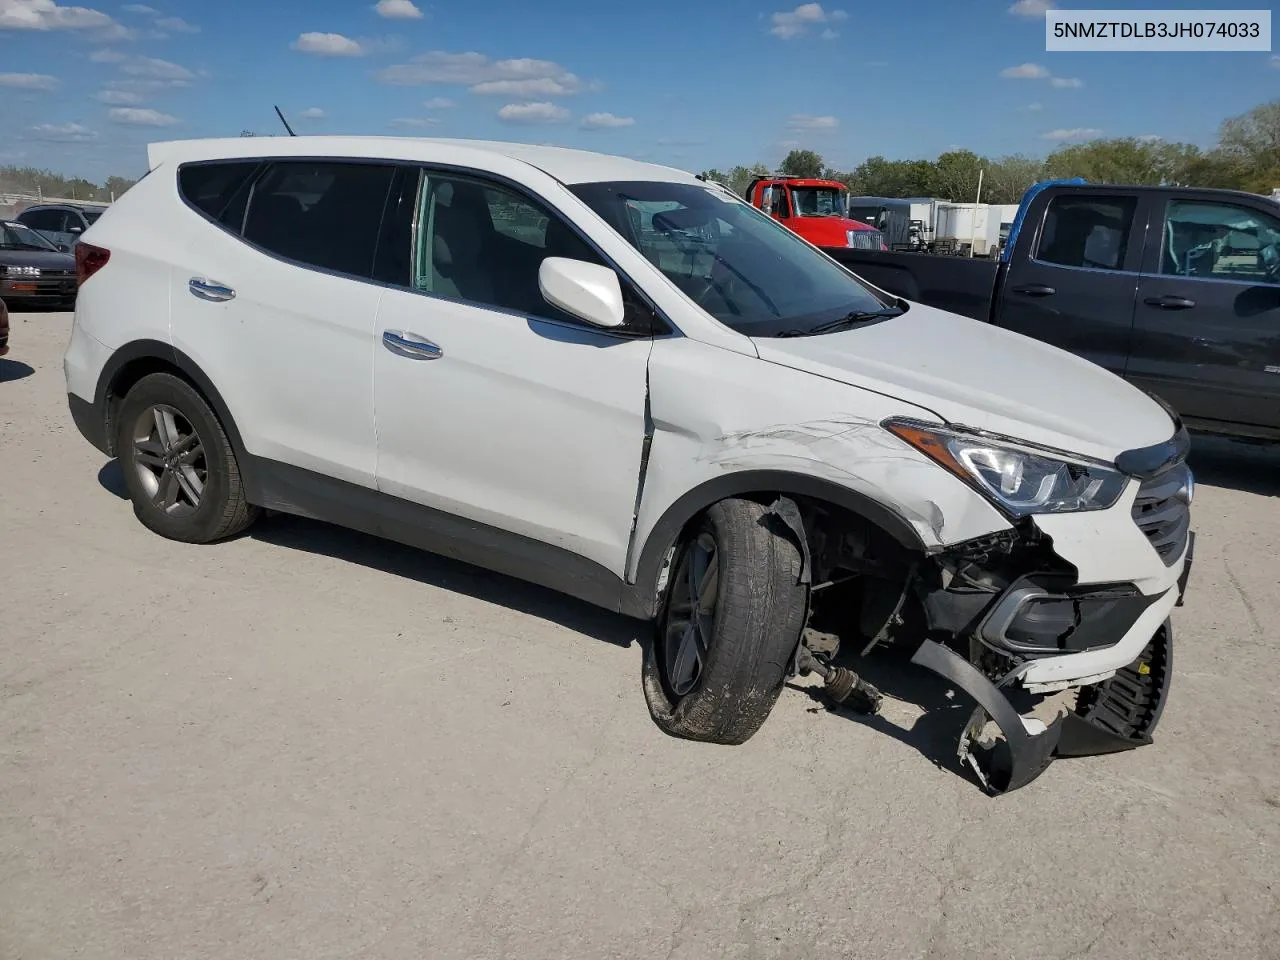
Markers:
<point>585,290</point>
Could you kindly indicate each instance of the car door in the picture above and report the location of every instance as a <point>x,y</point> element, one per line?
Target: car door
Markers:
<point>1207,326</point>
<point>1073,276</point>
<point>491,404</point>
<point>272,296</point>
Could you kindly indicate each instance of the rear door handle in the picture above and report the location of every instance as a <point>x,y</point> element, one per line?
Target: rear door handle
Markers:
<point>210,290</point>
<point>405,344</point>
<point>1035,290</point>
<point>1170,303</point>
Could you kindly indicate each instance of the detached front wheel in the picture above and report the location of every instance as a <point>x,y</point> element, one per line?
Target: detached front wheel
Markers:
<point>729,625</point>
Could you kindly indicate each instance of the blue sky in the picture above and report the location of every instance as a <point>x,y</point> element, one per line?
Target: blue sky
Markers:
<point>84,88</point>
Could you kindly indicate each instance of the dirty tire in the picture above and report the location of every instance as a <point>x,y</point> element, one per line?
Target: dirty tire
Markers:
<point>758,614</point>
<point>222,510</point>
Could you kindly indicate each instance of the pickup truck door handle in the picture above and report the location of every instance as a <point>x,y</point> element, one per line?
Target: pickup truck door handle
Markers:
<point>405,344</point>
<point>210,290</point>
<point>1035,290</point>
<point>1170,303</point>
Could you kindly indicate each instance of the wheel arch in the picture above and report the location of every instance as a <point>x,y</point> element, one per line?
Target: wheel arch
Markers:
<point>755,484</point>
<point>139,358</point>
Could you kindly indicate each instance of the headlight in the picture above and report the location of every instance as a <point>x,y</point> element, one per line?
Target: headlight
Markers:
<point>1021,480</point>
<point>21,271</point>
<point>849,236</point>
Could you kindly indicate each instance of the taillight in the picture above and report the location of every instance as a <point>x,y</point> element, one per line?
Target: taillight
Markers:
<point>89,260</point>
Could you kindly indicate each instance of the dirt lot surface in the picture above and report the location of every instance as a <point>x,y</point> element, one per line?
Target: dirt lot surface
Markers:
<point>311,744</point>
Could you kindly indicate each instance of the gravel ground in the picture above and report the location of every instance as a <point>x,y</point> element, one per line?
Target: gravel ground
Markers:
<point>308,743</point>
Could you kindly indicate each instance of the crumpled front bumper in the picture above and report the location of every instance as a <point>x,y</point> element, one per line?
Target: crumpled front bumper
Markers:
<point>1116,714</point>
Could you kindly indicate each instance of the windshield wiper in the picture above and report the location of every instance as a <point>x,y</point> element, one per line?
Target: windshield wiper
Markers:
<point>853,319</point>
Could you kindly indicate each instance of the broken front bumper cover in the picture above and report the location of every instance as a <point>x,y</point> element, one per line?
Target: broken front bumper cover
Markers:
<point>1117,714</point>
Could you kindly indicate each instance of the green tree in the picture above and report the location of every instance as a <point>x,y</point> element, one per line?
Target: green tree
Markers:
<point>1008,178</point>
<point>1249,145</point>
<point>955,175</point>
<point>878,177</point>
<point>802,163</point>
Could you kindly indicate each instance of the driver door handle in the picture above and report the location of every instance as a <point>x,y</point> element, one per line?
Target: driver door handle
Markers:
<point>1170,303</point>
<point>405,344</point>
<point>1035,290</point>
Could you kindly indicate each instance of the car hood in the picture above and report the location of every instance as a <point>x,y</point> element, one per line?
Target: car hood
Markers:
<point>44,259</point>
<point>976,375</point>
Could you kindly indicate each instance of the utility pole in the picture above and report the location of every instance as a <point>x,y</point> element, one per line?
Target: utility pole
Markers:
<point>973,223</point>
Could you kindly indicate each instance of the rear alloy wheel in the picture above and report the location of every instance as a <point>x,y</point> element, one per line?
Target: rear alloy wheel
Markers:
<point>169,460</point>
<point>729,626</point>
<point>179,468</point>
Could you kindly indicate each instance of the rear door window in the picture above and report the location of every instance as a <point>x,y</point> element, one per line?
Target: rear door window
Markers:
<point>1087,232</point>
<point>322,214</point>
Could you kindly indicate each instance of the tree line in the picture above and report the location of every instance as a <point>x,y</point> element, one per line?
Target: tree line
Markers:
<point>31,181</point>
<point>1246,157</point>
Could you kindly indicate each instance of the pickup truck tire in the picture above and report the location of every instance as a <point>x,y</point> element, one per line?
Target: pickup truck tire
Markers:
<point>179,468</point>
<point>736,583</point>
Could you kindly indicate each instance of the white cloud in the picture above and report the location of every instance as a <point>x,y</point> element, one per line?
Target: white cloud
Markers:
<point>438,103</point>
<point>62,133</point>
<point>28,81</point>
<point>397,10</point>
<point>1025,71</point>
<point>47,15</point>
<point>1067,83</point>
<point>829,34</point>
<point>313,113</point>
<point>789,24</point>
<point>149,67</point>
<point>141,117</point>
<point>1071,133</point>
<point>120,98</point>
<point>811,124</point>
<point>602,121</point>
<point>1032,8</point>
<point>176,25</point>
<point>141,9</point>
<point>1034,107</point>
<point>409,123</point>
<point>328,45</point>
<point>519,77</point>
<point>533,113</point>
<point>1149,138</point>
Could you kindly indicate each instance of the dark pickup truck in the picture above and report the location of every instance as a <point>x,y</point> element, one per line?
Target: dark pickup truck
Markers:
<point>1175,289</point>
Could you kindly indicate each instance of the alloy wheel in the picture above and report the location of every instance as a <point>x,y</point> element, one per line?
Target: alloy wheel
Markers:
<point>169,459</point>
<point>691,615</point>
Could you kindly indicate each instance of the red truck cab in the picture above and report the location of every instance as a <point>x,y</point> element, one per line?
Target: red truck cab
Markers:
<point>815,209</point>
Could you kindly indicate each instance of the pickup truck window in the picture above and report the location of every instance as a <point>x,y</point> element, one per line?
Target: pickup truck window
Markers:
<point>1220,241</point>
<point>746,270</point>
<point>1086,232</point>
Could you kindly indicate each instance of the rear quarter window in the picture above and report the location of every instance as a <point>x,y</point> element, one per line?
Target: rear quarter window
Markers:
<point>211,187</point>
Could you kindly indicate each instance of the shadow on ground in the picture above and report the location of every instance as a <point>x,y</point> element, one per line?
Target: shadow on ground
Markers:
<point>312,536</point>
<point>14,370</point>
<point>1248,467</point>
<point>935,733</point>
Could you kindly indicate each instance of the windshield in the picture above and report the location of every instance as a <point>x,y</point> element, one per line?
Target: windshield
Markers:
<point>17,236</point>
<point>818,201</point>
<point>747,271</point>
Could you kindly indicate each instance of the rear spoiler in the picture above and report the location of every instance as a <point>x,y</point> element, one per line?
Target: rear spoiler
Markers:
<point>1025,205</point>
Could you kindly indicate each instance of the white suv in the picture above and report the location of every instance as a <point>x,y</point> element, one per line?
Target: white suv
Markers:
<point>626,384</point>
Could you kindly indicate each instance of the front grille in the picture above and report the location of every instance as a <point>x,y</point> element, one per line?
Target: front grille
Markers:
<point>1163,513</point>
<point>865,239</point>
